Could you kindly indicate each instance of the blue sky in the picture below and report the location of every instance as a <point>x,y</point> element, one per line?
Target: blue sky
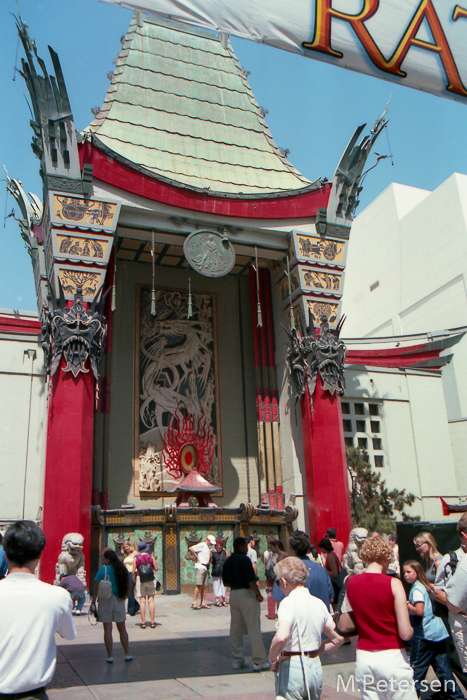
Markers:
<point>313,109</point>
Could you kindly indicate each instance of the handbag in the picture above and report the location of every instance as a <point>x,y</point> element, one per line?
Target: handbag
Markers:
<point>345,624</point>
<point>104,592</point>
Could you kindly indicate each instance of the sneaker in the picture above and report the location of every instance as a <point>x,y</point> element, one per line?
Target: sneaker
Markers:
<point>237,665</point>
<point>260,667</point>
<point>110,660</point>
<point>128,658</point>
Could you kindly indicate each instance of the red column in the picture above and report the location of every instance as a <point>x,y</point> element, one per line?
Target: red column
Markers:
<point>68,465</point>
<point>325,465</point>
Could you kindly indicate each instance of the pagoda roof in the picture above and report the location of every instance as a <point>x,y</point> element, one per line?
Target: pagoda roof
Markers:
<point>179,110</point>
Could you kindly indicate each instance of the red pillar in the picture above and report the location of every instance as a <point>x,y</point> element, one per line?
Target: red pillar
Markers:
<point>68,465</point>
<point>325,465</point>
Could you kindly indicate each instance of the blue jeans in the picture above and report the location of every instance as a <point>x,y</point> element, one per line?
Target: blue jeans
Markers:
<point>290,678</point>
<point>424,654</point>
<point>80,599</point>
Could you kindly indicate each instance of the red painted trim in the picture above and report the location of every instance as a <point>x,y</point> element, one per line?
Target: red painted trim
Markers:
<point>267,406</point>
<point>68,466</point>
<point>395,357</point>
<point>11,324</point>
<point>274,406</point>
<point>445,506</point>
<point>326,477</point>
<point>280,498</point>
<point>259,406</point>
<point>128,179</point>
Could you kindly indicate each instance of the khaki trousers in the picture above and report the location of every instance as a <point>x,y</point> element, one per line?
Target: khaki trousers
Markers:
<point>245,619</point>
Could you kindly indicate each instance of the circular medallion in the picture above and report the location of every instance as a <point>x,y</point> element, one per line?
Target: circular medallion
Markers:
<point>209,253</point>
<point>188,458</point>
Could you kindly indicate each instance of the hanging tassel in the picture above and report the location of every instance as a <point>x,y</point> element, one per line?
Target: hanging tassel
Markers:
<point>190,304</point>
<point>113,303</point>
<point>259,315</point>
<point>153,291</point>
<point>292,318</point>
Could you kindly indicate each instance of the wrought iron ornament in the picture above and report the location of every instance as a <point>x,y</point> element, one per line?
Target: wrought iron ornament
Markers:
<point>76,333</point>
<point>310,355</point>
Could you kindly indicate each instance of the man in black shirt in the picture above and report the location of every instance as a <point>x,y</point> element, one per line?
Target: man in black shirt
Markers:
<point>245,599</point>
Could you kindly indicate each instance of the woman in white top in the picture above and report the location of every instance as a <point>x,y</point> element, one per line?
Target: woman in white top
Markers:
<point>129,558</point>
<point>298,641</point>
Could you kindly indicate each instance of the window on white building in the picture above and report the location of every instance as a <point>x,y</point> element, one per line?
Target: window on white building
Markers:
<point>363,428</point>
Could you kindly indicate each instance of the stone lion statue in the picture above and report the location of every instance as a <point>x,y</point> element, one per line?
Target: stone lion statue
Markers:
<point>352,561</point>
<point>71,558</point>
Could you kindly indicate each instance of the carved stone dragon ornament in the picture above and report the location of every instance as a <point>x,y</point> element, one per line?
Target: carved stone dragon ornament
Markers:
<point>75,332</point>
<point>311,355</point>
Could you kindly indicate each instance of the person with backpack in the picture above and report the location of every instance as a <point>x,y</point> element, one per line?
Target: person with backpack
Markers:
<point>446,570</point>
<point>144,568</point>
<point>111,587</point>
<point>429,641</point>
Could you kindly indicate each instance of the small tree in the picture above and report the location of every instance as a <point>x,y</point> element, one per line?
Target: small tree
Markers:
<point>373,505</point>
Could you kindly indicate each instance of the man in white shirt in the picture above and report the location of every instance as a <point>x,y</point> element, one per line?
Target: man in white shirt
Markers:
<point>446,581</point>
<point>202,555</point>
<point>252,553</point>
<point>31,612</point>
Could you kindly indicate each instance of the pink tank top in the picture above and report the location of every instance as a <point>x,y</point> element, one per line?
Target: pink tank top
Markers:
<point>372,601</point>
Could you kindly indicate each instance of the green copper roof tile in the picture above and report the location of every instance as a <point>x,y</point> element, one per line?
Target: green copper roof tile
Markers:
<point>180,107</point>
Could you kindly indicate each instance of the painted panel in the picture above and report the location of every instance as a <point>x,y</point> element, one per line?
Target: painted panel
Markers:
<point>313,247</point>
<point>116,535</point>
<point>71,278</point>
<point>77,211</point>
<point>72,246</point>
<point>187,566</point>
<point>324,281</point>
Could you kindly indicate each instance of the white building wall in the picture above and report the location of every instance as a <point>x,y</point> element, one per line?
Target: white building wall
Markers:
<point>22,426</point>
<point>415,433</point>
<point>406,273</point>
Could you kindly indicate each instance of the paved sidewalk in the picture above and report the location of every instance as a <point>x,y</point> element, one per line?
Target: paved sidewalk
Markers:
<point>186,656</point>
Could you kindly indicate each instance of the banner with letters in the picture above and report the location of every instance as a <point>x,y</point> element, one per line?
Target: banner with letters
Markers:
<point>418,43</point>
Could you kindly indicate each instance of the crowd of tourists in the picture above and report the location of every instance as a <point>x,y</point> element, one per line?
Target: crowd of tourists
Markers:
<point>315,599</point>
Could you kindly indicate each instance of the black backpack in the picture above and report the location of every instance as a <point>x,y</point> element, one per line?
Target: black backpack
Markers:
<point>146,572</point>
<point>439,609</point>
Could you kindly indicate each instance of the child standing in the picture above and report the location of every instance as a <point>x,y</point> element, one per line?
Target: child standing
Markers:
<point>430,635</point>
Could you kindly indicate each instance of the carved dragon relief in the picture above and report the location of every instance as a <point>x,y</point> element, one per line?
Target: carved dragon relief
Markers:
<point>177,390</point>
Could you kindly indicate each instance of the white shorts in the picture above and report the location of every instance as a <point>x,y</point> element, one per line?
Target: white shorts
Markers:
<point>112,610</point>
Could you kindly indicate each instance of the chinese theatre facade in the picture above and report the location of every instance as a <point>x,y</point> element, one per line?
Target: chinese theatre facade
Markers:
<point>188,280</point>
